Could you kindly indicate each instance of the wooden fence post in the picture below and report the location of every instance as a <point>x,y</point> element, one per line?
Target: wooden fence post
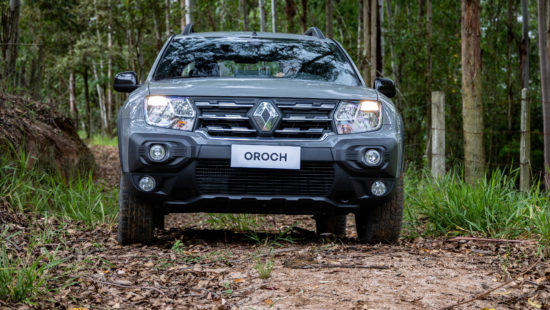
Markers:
<point>525,144</point>
<point>438,133</point>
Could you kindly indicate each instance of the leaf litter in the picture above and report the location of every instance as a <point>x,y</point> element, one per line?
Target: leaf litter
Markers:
<point>192,266</point>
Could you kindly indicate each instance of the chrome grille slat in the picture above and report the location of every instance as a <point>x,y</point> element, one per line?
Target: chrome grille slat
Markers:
<point>300,118</point>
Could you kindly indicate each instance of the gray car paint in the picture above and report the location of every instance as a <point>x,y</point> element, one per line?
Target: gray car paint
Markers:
<point>131,116</point>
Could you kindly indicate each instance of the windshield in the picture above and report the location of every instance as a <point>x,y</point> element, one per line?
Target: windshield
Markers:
<point>255,58</point>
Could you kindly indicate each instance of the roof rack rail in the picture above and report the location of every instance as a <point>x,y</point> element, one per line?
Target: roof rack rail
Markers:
<point>188,30</point>
<point>314,32</point>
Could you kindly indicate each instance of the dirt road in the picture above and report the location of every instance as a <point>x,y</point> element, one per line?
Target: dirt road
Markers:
<point>195,266</point>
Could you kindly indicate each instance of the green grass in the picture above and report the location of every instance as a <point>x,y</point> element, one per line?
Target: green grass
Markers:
<point>98,139</point>
<point>264,266</point>
<point>236,222</point>
<point>493,208</point>
<point>24,277</point>
<point>28,189</point>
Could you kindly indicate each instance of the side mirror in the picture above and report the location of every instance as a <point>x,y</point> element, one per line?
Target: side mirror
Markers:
<point>126,82</point>
<point>385,86</point>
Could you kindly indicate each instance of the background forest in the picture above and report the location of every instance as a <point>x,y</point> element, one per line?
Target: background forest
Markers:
<point>67,52</point>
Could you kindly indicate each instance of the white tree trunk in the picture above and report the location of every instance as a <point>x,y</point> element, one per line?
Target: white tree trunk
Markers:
<point>274,15</point>
<point>167,17</point>
<point>525,144</point>
<point>438,133</point>
<point>101,99</point>
<point>189,9</point>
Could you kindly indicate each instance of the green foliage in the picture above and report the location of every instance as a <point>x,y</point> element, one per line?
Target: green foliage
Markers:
<point>29,189</point>
<point>98,139</point>
<point>264,266</point>
<point>237,222</point>
<point>492,208</point>
<point>24,278</point>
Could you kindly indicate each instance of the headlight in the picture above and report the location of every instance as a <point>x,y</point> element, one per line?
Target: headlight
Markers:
<point>358,116</point>
<point>170,112</point>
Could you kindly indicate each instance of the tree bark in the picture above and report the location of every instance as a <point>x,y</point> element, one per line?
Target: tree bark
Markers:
<point>101,99</point>
<point>524,47</point>
<point>375,40</point>
<point>303,18</point>
<point>395,67</point>
<point>13,38</point>
<point>509,81</point>
<point>167,17</point>
<point>545,84</point>
<point>245,14</point>
<point>88,124</point>
<point>110,70</point>
<point>36,83</point>
<point>328,14</point>
<point>366,42</point>
<point>183,13</point>
<point>189,4</point>
<point>429,97</point>
<point>290,12</point>
<point>274,15</point>
<point>261,4</point>
<point>472,105</point>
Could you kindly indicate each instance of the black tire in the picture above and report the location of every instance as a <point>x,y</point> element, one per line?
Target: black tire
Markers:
<point>382,222</point>
<point>158,219</point>
<point>334,224</point>
<point>135,217</point>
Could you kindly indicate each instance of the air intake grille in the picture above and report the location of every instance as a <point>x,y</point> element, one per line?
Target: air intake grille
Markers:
<point>301,118</point>
<point>217,177</point>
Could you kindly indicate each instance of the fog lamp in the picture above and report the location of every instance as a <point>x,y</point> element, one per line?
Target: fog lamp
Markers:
<point>372,157</point>
<point>157,152</point>
<point>147,183</point>
<point>378,188</point>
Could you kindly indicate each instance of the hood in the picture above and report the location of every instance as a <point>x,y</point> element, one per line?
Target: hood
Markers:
<point>273,88</point>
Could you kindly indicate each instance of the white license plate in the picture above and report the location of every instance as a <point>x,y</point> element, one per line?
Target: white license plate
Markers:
<point>265,156</point>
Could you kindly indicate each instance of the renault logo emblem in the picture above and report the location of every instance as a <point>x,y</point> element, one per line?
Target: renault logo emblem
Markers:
<point>266,116</point>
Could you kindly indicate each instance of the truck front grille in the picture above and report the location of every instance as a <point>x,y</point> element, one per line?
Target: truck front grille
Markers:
<point>217,177</point>
<point>300,119</point>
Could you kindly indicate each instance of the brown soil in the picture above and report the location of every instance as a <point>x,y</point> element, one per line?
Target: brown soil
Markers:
<point>192,266</point>
<point>38,130</point>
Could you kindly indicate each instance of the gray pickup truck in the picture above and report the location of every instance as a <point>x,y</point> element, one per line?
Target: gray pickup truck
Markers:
<point>246,122</point>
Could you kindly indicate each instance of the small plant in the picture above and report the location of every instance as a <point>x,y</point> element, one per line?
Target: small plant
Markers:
<point>282,236</point>
<point>237,222</point>
<point>228,290</point>
<point>178,247</point>
<point>23,279</point>
<point>264,266</point>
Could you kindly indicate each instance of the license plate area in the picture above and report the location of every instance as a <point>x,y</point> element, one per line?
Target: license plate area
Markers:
<point>265,156</point>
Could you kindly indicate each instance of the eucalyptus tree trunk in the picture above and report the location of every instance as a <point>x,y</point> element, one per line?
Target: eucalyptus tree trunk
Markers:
<point>329,13</point>
<point>261,4</point>
<point>524,46</point>
<point>101,99</point>
<point>544,40</point>
<point>13,38</point>
<point>73,110</point>
<point>374,41</point>
<point>274,15</point>
<point>394,65</point>
<point>189,4</point>
<point>510,83</point>
<point>183,13</point>
<point>167,17</point>
<point>36,82</point>
<point>88,124</point>
<point>472,105</point>
<point>366,42</point>
<point>110,69</point>
<point>429,94</point>
<point>245,14</point>
<point>303,18</point>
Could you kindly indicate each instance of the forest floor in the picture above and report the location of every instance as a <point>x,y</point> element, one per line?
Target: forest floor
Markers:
<point>197,265</point>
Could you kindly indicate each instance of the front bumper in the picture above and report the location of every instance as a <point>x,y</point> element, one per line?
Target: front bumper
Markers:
<point>197,176</point>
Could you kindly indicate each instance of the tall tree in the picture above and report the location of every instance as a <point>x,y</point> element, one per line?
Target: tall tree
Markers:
<point>544,50</point>
<point>183,13</point>
<point>262,15</point>
<point>13,38</point>
<point>190,9</point>
<point>303,18</point>
<point>328,15</point>
<point>167,17</point>
<point>472,105</point>
<point>274,15</point>
<point>524,45</point>
<point>245,15</point>
<point>290,12</point>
